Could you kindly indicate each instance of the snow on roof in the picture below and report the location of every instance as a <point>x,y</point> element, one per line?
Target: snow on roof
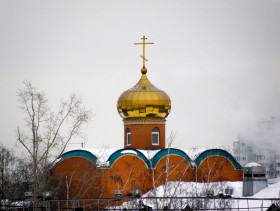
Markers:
<point>104,153</point>
<point>128,151</point>
<point>149,153</point>
<point>193,153</point>
<point>252,164</point>
<point>272,191</point>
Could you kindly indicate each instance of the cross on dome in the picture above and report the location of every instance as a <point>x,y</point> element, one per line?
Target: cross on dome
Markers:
<point>144,70</point>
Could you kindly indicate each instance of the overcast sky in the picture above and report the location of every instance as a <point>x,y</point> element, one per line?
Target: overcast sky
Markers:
<point>219,61</point>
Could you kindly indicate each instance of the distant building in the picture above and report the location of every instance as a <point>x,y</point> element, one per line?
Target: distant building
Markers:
<point>278,164</point>
<point>262,149</point>
<point>246,152</point>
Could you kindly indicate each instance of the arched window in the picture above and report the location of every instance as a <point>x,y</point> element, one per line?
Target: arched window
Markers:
<point>128,136</point>
<point>155,136</point>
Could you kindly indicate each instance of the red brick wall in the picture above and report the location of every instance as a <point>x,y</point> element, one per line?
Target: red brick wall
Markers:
<point>130,172</point>
<point>141,136</point>
<point>82,176</point>
<point>173,168</point>
<point>218,168</point>
<point>127,173</point>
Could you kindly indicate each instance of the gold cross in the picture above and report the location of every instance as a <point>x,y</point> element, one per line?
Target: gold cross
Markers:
<point>144,45</point>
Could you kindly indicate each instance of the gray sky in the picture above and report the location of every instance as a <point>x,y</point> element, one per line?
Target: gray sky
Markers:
<point>217,60</point>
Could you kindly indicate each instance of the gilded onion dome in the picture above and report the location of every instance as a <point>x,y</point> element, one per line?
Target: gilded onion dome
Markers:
<point>144,100</point>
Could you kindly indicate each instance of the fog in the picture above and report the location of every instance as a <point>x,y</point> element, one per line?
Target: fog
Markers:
<point>217,60</point>
<point>264,134</point>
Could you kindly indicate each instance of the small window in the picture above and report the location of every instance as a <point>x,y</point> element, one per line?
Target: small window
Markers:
<point>155,136</point>
<point>128,136</point>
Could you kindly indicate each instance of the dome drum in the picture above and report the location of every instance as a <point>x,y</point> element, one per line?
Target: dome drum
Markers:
<point>131,121</point>
<point>145,136</point>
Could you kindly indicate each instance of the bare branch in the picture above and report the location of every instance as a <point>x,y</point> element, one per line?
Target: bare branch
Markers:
<point>49,130</point>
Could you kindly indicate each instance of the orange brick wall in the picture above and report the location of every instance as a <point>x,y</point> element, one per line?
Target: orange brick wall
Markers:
<point>130,172</point>
<point>173,168</point>
<point>127,173</point>
<point>218,168</point>
<point>82,176</point>
<point>141,136</point>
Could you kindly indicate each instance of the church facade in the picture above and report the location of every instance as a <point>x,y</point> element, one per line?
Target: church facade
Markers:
<point>144,162</point>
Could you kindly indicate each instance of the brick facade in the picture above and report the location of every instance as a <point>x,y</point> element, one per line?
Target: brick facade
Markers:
<point>141,135</point>
<point>129,171</point>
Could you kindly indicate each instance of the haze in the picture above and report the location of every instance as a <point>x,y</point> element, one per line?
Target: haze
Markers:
<point>217,60</point>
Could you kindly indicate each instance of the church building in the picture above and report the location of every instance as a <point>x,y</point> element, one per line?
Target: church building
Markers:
<point>144,162</point>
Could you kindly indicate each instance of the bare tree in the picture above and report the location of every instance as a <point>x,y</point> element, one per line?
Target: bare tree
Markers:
<point>47,133</point>
<point>81,180</point>
<point>7,160</point>
<point>13,178</point>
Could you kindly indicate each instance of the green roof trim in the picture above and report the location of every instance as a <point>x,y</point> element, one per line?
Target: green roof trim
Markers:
<point>157,157</point>
<point>78,153</point>
<point>169,151</point>
<point>219,152</point>
<point>129,151</point>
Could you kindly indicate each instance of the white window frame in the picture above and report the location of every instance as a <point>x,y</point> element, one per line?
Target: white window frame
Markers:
<point>155,133</point>
<point>128,137</point>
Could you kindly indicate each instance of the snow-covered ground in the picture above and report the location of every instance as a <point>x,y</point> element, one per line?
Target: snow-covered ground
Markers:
<point>187,189</point>
<point>260,201</point>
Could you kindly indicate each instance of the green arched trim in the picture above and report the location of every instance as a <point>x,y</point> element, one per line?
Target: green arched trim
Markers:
<point>170,151</point>
<point>78,153</point>
<point>220,152</point>
<point>117,154</point>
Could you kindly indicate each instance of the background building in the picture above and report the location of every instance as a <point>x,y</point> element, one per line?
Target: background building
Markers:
<point>262,148</point>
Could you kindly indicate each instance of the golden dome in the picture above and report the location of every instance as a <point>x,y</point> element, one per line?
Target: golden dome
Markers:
<point>144,100</point>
